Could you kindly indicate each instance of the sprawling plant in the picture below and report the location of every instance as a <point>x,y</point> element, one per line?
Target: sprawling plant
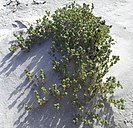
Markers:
<point>83,44</point>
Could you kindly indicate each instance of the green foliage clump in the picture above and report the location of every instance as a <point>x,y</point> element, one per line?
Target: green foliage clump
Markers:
<point>84,44</point>
<point>39,83</point>
<point>35,33</point>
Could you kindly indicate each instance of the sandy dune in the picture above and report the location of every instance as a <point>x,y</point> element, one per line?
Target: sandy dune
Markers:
<point>14,88</point>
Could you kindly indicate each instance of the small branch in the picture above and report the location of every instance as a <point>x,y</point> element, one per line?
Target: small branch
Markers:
<point>34,2</point>
<point>10,2</point>
<point>17,2</point>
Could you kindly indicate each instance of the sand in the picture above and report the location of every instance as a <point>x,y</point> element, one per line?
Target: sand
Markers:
<point>15,90</point>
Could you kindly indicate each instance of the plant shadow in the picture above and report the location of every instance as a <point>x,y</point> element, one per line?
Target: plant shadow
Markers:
<point>47,116</point>
<point>34,56</point>
<point>107,113</point>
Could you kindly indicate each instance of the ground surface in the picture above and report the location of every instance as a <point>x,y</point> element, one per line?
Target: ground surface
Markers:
<point>14,89</point>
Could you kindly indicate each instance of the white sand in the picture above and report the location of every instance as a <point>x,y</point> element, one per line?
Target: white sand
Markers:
<point>15,91</point>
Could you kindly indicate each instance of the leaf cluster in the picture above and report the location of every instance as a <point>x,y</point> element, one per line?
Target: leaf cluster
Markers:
<point>84,44</point>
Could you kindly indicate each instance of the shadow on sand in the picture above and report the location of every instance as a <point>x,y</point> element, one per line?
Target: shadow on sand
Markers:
<point>46,117</point>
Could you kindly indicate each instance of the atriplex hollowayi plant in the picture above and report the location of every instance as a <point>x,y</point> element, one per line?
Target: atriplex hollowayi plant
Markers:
<point>84,44</point>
